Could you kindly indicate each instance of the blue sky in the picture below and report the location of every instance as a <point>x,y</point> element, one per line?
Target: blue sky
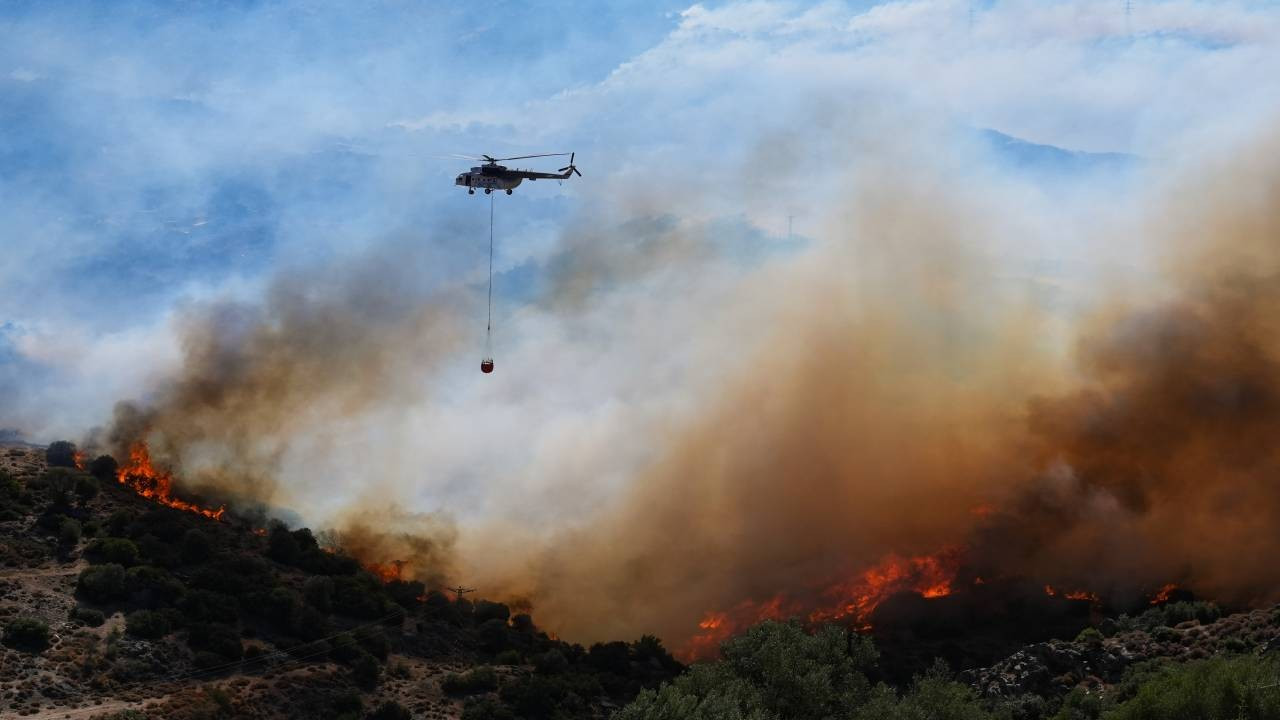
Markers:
<point>155,158</point>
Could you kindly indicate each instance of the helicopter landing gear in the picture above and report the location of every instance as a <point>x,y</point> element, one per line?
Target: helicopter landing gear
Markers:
<point>488,190</point>
<point>508,191</point>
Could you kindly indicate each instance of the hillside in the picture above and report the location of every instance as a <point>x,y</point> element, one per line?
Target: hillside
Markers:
<point>115,606</point>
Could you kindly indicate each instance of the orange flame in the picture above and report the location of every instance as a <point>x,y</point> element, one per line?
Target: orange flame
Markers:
<point>1072,594</point>
<point>851,600</point>
<point>1164,593</point>
<point>386,572</point>
<point>143,478</point>
<point>78,457</point>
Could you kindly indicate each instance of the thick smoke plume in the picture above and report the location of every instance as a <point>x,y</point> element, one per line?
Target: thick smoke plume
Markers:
<point>899,386</point>
<point>263,386</point>
<point>899,402</point>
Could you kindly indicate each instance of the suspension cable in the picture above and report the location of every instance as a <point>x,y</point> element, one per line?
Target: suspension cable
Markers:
<point>488,328</point>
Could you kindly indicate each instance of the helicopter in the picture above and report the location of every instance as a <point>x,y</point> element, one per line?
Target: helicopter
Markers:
<point>492,176</point>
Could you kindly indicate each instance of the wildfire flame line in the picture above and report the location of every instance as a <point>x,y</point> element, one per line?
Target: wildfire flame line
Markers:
<point>853,599</point>
<point>1051,591</point>
<point>144,479</point>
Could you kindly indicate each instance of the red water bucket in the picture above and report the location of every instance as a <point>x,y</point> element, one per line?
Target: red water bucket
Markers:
<point>486,365</point>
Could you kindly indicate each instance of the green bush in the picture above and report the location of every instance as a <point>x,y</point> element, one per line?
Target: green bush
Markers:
<point>104,468</point>
<point>486,708</point>
<point>1080,705</point>
<point>196,547</point>
<point>1219,688</point>
<point>485,610</point>
<point>774,670</point>
<point>359,596</point>
<point>318,593</point>
<point>126,715</point>
<point>153,586</point>
<point>86,488</point>
<point>344,649</point>
<point>60,453</point>
<point>543,697</point>
<point>390,710</point>
<point>282,546</point>
<point>308,623</point>
<point>346,705</point>
<point>217,638</point>
<point>26,633</point>
<point>204,660</point>
<point>148,624</point>
<point>365,671</point>
<point>209,606</point>
<point>552,662</point>
<point>119,551</point>
<point>102,583</point>
<point>374,641</point>
<point>507,657</point>
<point>1171,614</point>
<point>60,481</point>
<point>480,680</point>
<point>933,695</point>
<point>1090,636</point>
<point>88,616</point>
<point>159,552</point>
<point>493,635</point>
<point>279,605</point>
<point>68,532</point>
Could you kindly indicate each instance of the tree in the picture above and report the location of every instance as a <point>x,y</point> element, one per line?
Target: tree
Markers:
<point>104,468</point>
<point>61,453</point>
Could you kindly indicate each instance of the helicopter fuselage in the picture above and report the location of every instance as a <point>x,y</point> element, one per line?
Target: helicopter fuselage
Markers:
<point>490,177</point>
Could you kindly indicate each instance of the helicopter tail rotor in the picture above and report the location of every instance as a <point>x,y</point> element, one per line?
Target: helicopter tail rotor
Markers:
<point>570,167</point>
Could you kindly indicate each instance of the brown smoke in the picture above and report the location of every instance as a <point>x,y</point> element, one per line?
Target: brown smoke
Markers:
<point>261,380</point>
<point>898,401</point>
<point>898,387</point>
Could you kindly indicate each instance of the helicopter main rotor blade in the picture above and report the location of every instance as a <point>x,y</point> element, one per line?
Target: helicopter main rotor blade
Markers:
<point>522,157</point>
